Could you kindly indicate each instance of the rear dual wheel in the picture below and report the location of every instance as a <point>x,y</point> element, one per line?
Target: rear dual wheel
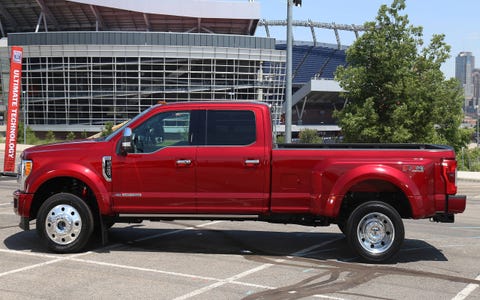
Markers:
<point>375,231</point>
<point>65,223</point>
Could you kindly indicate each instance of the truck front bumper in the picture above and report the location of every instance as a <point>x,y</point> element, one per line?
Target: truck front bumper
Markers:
<point>21,206</point>
<point>22,203</point>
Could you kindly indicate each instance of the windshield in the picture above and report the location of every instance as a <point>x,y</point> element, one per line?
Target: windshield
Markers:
<point>109,137</point>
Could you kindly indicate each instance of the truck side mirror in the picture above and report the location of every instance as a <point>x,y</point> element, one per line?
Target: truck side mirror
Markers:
<point>126,146</point>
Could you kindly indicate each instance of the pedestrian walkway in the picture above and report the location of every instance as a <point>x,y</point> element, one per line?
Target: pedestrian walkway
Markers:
<point>468,176</point>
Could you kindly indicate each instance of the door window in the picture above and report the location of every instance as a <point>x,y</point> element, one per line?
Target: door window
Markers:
<point>230,127</point>
<point>162,130</point>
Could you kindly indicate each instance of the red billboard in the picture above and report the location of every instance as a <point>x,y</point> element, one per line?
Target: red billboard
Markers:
<point>13,112</point>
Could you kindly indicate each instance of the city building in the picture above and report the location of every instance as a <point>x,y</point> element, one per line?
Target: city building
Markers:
<point>464,66</point>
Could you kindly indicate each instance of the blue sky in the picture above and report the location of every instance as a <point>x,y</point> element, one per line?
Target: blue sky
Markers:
<point>458,20</point>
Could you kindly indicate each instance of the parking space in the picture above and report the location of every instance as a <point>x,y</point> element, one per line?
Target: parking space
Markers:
<point>242,260</point>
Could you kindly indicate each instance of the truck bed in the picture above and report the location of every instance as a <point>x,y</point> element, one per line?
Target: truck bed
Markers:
<point>366,146</point>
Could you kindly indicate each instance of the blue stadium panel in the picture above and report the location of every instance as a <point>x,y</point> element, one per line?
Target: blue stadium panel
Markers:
<point>309,61</point>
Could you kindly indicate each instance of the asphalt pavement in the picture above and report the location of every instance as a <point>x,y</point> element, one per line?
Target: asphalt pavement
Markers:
<point>242,260</point>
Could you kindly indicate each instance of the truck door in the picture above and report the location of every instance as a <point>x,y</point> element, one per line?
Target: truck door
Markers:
<point>232,166</point>
<point>159,175</point>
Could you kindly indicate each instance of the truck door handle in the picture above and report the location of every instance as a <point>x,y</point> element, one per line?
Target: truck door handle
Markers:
<point>252,162</point>
<point>183,162</point>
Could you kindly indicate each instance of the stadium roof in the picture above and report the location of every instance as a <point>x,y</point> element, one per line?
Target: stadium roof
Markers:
<point>207,16</point>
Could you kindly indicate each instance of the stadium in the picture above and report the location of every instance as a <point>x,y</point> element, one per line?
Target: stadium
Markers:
<point>88,62</point>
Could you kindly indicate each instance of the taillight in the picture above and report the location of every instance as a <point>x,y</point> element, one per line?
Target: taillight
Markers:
<point>449,171</point>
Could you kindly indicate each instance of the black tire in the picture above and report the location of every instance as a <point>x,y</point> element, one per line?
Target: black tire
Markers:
<point>375,231</point>
<point>65,223</point>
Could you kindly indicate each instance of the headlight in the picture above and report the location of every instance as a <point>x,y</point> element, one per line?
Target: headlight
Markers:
<point>25,167</point>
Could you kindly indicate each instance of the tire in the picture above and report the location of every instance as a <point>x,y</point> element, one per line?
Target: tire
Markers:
<point>65,223</point>
<point>375,231</point>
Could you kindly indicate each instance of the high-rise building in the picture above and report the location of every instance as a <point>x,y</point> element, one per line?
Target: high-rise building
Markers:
<point>476,87</point>
<point>464,65</point>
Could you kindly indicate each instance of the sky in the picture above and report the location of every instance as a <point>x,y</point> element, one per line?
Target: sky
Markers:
<point>458,20</point>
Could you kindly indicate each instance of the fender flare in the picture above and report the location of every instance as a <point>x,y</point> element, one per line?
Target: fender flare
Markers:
<point>373,172</point>
<point>72,170</point>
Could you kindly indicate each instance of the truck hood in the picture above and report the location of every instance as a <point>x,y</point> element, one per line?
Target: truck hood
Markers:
<point>80,145</point>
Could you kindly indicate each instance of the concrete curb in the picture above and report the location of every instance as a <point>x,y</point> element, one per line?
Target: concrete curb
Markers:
<point>20,147</point>
<point>468,176</point>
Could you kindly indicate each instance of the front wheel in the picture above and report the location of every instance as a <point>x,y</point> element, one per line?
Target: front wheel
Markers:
<point>375,231</point>
<point>65,223</point>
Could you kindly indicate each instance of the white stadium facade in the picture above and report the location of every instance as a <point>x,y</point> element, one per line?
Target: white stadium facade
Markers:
<point>88,62</point>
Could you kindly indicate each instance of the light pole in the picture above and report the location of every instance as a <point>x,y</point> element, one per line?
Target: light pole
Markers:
<point>24,118</point>
<point>288,87</point>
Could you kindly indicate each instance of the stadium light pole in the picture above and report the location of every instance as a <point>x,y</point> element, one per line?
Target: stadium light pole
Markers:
<point>288,87</point>
<point>24,118</point>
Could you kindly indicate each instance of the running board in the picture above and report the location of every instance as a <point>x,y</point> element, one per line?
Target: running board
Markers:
<point>188,217</point>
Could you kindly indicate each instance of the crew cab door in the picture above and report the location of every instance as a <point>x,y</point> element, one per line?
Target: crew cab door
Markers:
<point>232,166</point>
<point>158,175</point>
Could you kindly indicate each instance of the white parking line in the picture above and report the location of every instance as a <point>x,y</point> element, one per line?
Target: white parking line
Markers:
<point>467,290</point>
<point>233,279</point>
<point>71,257</point>
<point>40,264</point>
<point>308,250</point>
<point>225,281</point>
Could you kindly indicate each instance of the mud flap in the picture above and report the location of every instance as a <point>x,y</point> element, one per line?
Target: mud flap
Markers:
<point>24,223</point>
<point>103,231</point>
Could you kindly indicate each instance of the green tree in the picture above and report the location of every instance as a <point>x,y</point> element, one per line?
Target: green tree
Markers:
<point>50,137</point>
<point>32,139</point>
<point>396,91</point>
<point>309,136</point>
<point>70,136</point>
<point>108,129</point>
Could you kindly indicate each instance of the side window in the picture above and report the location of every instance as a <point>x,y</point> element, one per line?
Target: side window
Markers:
<point>230,127</point>
<point>162,130</point>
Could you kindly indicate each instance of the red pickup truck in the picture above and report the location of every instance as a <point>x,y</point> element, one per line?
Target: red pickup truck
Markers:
<point>218,161</point>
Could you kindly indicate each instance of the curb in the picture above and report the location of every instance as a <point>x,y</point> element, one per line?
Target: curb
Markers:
<point>468,176</point>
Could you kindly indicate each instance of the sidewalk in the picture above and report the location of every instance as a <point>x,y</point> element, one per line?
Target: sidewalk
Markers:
<point>20,147</point>
<point>468,176</point>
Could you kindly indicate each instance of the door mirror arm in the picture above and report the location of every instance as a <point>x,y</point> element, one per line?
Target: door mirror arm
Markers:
<point>126,145</point>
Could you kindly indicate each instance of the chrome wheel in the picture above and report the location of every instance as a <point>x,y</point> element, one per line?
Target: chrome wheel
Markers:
<point>63,224</point>
<point>376,233</point>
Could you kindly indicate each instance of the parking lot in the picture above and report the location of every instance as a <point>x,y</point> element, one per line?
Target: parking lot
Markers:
<point>242,260</point>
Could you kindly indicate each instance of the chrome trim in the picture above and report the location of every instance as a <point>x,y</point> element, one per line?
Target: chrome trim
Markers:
<point>21,177</point>
<point>63,224</point>
<point>252,162</point>
<point>184,162</point>
<point>107,163</point>
<point>376,233</point>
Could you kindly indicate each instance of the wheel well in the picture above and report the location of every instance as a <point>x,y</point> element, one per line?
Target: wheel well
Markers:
<point>64,185</point>
<point>376,190</point>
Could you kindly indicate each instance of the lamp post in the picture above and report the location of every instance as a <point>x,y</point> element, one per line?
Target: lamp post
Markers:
<point>24,118</point>
<point>288,87</point>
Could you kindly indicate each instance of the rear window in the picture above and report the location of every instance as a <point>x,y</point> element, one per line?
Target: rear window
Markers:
<point>230,127</point>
